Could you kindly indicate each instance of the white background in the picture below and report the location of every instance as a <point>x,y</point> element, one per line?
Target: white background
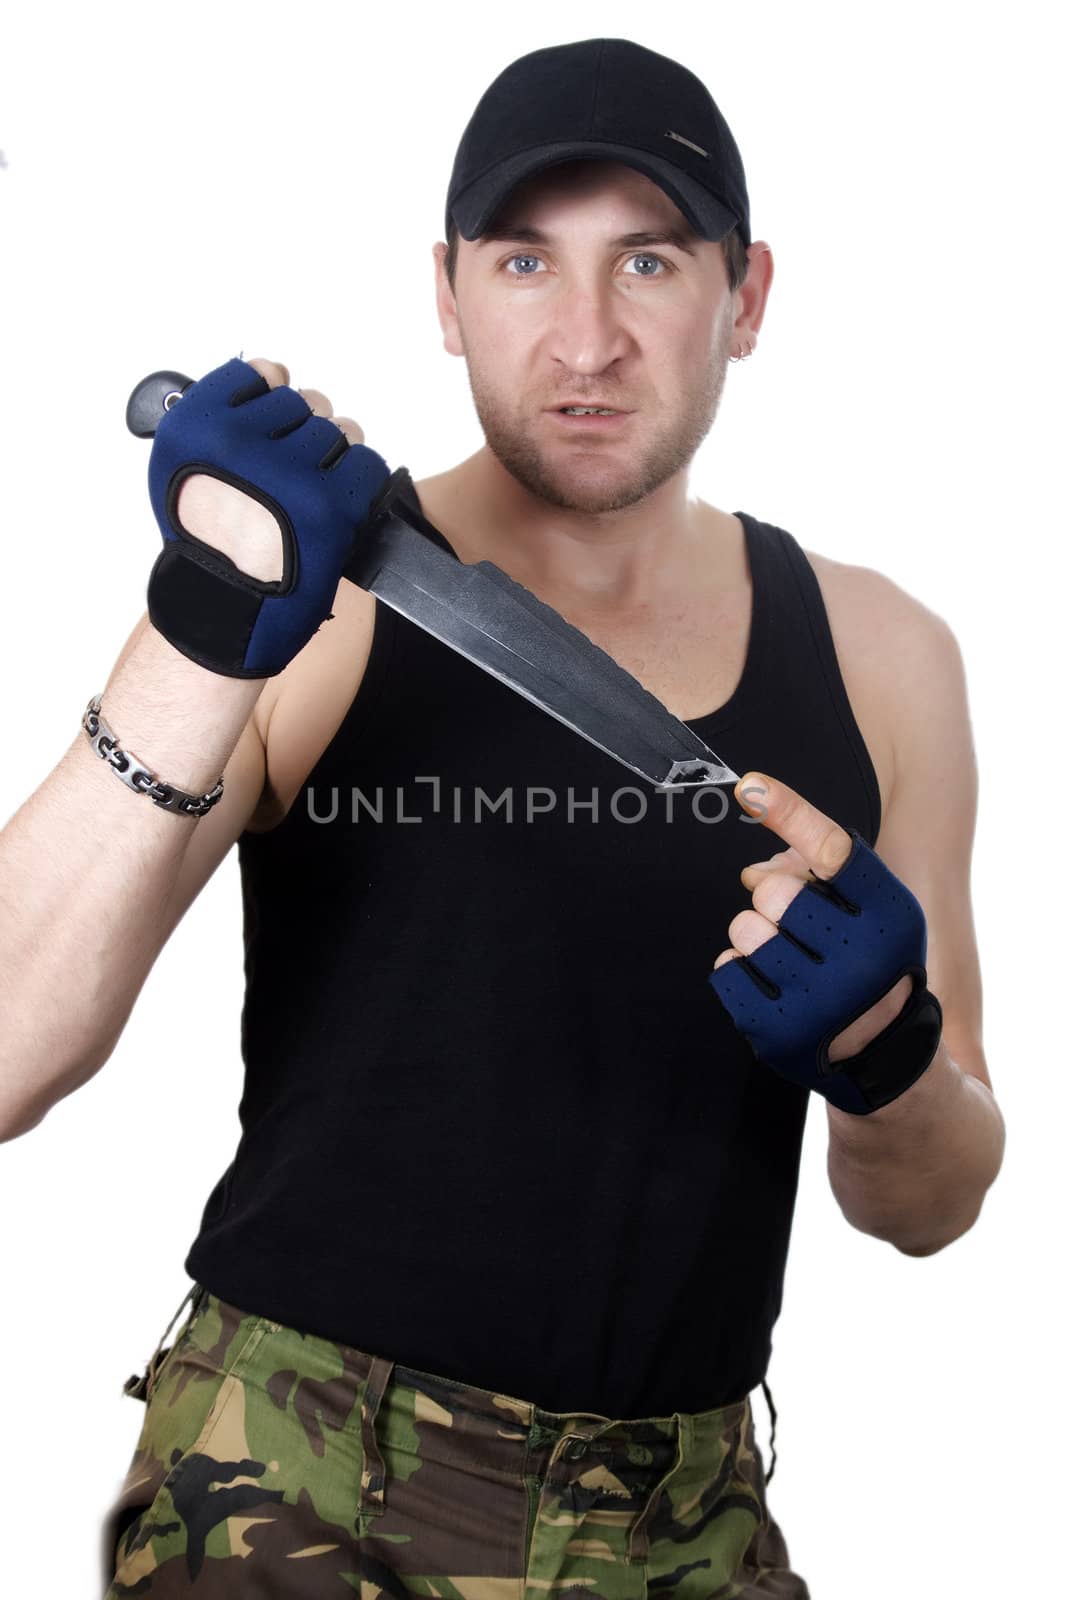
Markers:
<point>182,185</point>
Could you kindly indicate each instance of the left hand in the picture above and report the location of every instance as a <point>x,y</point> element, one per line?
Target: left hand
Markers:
<point>816,846</point>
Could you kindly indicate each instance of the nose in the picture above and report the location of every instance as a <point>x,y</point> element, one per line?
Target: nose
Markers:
<point>588,324</point>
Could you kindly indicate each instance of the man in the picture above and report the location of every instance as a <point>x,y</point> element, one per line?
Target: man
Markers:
<point>484,1293</point>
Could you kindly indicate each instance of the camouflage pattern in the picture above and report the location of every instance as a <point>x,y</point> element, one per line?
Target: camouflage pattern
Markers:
<point>275,1463</point>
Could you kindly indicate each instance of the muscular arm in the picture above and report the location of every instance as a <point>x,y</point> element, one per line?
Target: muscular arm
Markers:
<point>916,1171</point>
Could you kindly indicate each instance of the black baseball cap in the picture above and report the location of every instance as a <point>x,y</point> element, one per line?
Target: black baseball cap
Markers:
<point>600,99</point>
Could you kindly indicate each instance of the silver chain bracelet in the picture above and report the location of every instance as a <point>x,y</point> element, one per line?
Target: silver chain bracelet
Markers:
<point>135,775</point>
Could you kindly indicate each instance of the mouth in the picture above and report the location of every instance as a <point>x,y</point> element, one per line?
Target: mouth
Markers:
<point>590,420</point>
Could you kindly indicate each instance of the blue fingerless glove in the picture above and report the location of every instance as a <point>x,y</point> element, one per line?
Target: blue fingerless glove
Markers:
<point>842,943</point>
<point>266,442</point>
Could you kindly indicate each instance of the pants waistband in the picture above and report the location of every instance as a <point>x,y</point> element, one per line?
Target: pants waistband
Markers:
<point>505,1434</point>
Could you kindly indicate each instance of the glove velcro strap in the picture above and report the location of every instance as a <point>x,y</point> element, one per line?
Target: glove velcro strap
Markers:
<point>898,1055</point>
<point>205,616</point>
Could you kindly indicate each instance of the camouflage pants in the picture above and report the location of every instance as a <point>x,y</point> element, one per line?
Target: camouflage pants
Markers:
<point>276,1464</point>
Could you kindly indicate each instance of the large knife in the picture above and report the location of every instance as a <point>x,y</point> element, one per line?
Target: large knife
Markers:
<point>478,610</point>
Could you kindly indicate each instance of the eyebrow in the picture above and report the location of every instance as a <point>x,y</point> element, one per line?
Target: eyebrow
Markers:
<point>522,235</point>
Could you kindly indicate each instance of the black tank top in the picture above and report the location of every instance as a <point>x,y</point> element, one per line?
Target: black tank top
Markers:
<point>495,1123</point>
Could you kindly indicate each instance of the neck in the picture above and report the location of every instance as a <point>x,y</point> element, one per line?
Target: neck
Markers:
<point>612,560</point>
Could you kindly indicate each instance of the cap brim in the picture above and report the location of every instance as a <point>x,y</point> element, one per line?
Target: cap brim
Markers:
<point>475,206</point>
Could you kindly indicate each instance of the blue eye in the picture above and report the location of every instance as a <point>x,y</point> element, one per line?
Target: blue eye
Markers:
<point>640,255</point>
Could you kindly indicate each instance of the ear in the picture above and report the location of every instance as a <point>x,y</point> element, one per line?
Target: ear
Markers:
<point>750,300</point>
<point>446,304</point>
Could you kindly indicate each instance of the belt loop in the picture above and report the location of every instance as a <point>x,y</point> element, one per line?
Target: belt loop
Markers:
<point>140,1385</point>
<point>372,1476</point>
<point>637,1545</point>
<point>774,1419</point>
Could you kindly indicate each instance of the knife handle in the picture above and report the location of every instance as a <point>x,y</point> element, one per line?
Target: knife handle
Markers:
<point>151,399</point>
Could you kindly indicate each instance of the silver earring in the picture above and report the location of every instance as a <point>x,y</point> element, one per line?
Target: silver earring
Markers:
<point>748,352</point>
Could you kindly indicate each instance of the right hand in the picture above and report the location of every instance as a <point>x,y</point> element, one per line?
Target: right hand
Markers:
<point>229,519</point>
<point>254,545</point>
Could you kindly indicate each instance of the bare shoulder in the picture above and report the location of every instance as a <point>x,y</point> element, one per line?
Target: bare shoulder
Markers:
<point>894,650</point>
<point>883,624</point>
<point>871,593</point>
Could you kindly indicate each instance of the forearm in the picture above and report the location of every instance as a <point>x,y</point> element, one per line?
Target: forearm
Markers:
<point>915,1171</point>
<point>87,867</point>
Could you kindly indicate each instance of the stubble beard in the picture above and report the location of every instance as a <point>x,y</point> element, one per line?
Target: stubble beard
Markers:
<point>564,473</point>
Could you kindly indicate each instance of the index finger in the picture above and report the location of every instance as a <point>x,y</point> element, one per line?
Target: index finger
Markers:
<point>821,843</point>
<point>275,372</point>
